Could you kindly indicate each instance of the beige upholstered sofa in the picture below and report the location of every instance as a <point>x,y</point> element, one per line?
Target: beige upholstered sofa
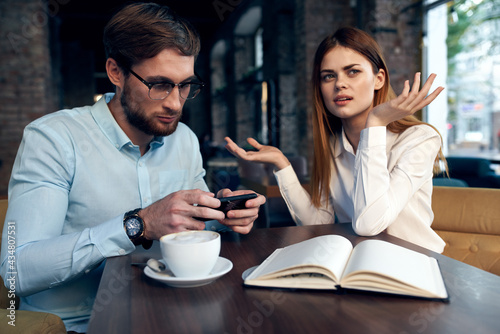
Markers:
<point>26,322</point>
<point>468,219</point>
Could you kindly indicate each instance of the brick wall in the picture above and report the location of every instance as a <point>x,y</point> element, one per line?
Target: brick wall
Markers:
<point>246,91</point>
<point>218,88</point>
<point>314,20</point>
<point>26,75</point>
<point>397,27</point>
<point>279,70</point>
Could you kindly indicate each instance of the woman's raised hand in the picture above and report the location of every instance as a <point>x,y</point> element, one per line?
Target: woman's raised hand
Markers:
<point>406,104</point>
<point>264,153</point>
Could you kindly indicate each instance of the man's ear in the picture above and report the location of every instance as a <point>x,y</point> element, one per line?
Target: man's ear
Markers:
<point>379,79</point>
<point>115,74</point>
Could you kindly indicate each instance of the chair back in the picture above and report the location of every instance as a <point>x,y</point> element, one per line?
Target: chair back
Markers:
<point>476,172</point>
<point>468,220</point>
<point>448,182</point>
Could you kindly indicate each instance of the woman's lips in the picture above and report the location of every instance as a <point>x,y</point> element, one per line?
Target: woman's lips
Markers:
<point>342,100</point>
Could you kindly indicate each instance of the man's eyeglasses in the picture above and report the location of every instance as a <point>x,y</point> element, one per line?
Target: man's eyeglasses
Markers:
<point>160,90</point>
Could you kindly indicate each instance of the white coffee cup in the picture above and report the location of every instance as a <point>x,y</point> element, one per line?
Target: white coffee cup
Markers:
<point>190,254</point>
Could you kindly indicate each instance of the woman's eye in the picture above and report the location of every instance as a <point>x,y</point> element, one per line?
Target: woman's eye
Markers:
<point>353,72</point>
<point>328,77</point>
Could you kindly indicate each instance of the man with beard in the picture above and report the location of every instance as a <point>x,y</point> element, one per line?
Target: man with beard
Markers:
<point>95,182</point>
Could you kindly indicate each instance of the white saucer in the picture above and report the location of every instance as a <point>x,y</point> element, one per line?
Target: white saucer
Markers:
<point>222,266</point>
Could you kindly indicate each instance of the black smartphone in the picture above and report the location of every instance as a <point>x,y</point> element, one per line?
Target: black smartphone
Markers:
<point>232,203</point>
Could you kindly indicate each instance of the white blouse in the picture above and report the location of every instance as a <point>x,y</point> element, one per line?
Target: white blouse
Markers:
<point>385,186</point>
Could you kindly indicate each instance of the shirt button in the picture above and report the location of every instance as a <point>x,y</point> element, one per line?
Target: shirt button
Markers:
<point>87,271</point>
<point>121,252</point>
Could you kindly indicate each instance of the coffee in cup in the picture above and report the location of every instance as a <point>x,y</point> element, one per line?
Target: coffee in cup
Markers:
<point>190,254</point>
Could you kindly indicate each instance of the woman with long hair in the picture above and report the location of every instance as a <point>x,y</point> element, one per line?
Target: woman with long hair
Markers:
<point>373,160</point>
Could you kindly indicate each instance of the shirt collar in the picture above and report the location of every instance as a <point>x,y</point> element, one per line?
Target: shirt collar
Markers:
<point>105,120</point>
<point>340,144</point>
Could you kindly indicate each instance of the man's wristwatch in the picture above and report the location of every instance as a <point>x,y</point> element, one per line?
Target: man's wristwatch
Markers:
<point>135,228</point>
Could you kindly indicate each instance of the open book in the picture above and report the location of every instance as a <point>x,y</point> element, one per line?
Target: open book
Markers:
<point>330,262</point>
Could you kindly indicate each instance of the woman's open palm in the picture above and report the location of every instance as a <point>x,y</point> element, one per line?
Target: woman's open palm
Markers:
<point>264,153</point>
<point>406,104</point>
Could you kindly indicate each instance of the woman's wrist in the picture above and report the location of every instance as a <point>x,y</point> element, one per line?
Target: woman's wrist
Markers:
<point>282,163</point>
<point>372,121</point>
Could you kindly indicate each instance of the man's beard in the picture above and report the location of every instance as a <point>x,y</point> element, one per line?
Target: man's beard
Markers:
<point>138,118</point>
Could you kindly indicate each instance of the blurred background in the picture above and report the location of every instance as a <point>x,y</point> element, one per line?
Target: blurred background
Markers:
<point>256,59</point>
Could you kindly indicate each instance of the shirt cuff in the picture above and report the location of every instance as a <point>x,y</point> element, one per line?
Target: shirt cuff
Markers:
<point>286,176</point>
<point>110,238</point>
<point>373,136</point>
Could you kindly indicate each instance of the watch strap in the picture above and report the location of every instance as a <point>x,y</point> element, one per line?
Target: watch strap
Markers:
<point>140,240</point>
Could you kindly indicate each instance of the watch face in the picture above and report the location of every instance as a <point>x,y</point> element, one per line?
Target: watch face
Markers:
<point>134,227</point>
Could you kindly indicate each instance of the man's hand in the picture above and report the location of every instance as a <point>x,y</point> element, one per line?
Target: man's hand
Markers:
<point>175,212</point>
<point>242,220</point>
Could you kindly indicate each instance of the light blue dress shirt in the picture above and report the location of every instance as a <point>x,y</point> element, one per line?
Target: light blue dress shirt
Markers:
<point>75,175</point>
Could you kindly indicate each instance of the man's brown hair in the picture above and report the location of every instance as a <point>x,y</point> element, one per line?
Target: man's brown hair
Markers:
<point>142,30</point>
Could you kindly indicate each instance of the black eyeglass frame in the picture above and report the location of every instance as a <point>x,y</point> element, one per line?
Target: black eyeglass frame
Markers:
<point>178,85</point>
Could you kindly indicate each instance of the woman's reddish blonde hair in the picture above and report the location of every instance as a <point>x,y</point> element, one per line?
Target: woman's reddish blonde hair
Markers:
<point>326,125</point>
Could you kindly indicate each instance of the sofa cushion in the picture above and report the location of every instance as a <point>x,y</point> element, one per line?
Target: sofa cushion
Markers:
<point>468,220</point>
<point>478,250</point>
<point>29,322</point>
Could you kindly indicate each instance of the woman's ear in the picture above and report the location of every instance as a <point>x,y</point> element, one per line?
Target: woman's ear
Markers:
<point>379,79</point>
<point>115,74</point>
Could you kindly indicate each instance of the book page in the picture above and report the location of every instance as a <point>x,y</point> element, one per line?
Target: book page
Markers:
<point>381,266</point>
<point>297,281</point>
<point>329,251</point>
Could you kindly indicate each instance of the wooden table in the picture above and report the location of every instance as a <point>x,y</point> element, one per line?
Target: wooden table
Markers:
<point>130,302</point>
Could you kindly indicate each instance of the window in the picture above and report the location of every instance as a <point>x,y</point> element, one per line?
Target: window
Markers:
<point>462,45</point>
